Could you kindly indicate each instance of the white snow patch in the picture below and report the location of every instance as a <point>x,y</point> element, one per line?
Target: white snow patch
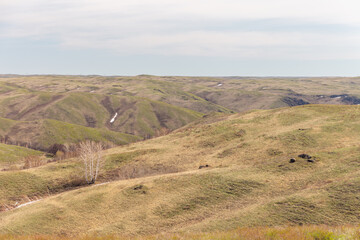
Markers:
<point>96,185</point>
<point>219,85</point>
<point>338,97</point>
<point>113,119</point>
<point>92,91</point>
<point>28,203</point>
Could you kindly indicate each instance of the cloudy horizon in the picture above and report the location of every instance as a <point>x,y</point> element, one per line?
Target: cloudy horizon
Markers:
<point>207,38</point>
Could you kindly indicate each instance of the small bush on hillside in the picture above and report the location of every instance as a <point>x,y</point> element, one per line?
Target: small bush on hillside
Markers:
<point>33,161</point>
<point>274,152</point>
<point>323,235</point>
<point>162,132</point>
<point>59,154</point>
<point>64,151</point>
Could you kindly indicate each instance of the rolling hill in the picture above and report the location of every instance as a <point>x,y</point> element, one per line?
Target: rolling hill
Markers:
<point>12,155</point>
<point>286,166</point>
<point>136,116</point>
<point>148,106</point>
<point>201,94</point>
<point>42,134</point>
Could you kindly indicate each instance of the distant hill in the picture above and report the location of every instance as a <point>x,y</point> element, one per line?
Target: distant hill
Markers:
<point>137,116</point>
<point>201,94</point>
<point>146,105</point>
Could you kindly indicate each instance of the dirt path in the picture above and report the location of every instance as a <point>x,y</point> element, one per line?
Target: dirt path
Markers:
<point>105,183</point>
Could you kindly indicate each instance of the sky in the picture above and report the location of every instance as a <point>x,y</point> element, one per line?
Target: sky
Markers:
<point>187,37</point>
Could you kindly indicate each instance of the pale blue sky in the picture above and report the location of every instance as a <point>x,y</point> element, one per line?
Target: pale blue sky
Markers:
<point>188,37</point>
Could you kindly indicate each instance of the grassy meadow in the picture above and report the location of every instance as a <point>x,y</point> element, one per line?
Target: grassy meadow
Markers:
<point>192,158</point>
<point>12,155</point>
<point>201,94</point>
<point>157,184</point>
<point>145,104</point>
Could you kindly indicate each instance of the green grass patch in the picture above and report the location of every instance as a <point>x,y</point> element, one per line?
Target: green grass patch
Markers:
<point>14,154</point>
<point>6,124</point>
<point>61,132</point>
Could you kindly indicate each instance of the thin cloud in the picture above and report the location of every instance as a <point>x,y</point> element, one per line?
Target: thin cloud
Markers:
<point>187,28</point>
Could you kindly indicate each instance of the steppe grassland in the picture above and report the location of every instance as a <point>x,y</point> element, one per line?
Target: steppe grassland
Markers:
<point>249,171</point>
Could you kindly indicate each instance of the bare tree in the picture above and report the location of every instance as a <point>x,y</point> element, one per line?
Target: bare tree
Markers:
<point>91,154</point>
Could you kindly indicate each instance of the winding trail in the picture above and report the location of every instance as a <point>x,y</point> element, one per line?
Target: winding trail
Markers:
<point>38,200</point>
<point>105,183</point>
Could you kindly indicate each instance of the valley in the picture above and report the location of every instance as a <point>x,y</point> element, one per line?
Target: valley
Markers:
<point>184,155</point>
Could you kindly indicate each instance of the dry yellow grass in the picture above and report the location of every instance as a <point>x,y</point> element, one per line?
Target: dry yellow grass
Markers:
<point>237,94</point>
<point>280,233</point>
<point>250,181</point>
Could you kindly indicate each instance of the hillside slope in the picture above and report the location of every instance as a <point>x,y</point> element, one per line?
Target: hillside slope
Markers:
<point>10,155</point>
<point>137,116</point>
<point>201,94</point>
<point>249,181</point>
<point>149,87</point>
<point>42,134</point>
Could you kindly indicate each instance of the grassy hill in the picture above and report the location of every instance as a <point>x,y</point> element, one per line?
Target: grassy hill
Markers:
<point>41,134</point>
<point>137,116</point>
<point>249,181</point>
<point>201,94</point>
<point>154,88</point>
<point>10,155</point>
<point>147,106</point>
<point>41,119</point>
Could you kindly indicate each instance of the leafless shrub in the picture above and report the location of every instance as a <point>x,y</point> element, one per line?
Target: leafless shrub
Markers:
<point>72,181</point>
<point>64,151</point>
<point>59,155</point>
<point>91,155</point>
<point>107,145</point>
<point>55,148</point>
<point>71,150</point>
<point>162,132</point>
<point>5,139</point>
<point>33,161</point>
